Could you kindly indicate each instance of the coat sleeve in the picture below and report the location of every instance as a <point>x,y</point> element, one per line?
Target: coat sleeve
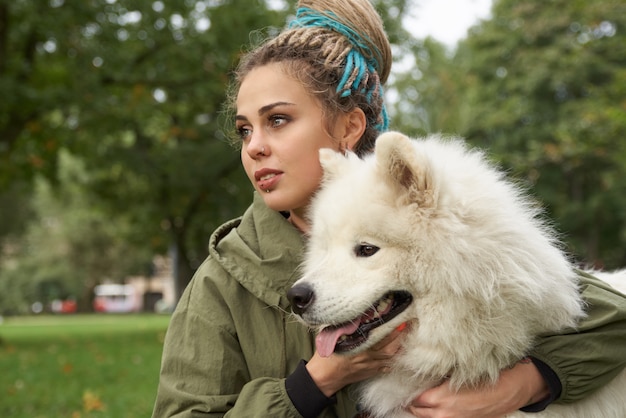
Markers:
<point>590,356</point>
<point>203,370</point>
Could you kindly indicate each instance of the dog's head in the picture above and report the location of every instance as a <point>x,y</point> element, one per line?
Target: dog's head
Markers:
<point>356,284</point>
<point>427,232</point>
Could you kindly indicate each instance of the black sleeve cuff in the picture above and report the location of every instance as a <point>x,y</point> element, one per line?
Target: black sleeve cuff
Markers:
<point>304,393</point>
<point>553,382</point>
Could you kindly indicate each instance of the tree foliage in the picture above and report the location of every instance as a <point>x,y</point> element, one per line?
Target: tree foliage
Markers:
<point>545,93</point>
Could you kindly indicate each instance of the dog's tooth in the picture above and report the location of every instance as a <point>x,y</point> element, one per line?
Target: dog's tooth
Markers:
<point>382,306</point>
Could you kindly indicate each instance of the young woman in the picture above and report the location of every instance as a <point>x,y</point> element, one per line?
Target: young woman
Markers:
<point>232,348</point>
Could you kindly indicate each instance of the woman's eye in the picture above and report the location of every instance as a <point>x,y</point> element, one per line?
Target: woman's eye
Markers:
<point>278,120</point>
<point>244,132</point>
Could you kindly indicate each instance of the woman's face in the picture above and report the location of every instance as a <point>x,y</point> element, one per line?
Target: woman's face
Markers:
<point>281,128</point>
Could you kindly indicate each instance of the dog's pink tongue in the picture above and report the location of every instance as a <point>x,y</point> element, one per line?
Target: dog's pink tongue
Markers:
<point>327,338</point>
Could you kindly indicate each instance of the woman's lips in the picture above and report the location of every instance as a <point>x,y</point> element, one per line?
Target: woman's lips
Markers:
<point>266,179</point>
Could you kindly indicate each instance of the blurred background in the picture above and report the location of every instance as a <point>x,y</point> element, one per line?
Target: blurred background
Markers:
<point>115,165</point>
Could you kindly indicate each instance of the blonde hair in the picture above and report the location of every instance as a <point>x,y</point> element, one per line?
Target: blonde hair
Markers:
<point>339,51</point>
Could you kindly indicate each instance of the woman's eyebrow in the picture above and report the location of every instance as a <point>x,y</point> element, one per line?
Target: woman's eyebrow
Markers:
<point>264,109</point>
<point>270,106</point>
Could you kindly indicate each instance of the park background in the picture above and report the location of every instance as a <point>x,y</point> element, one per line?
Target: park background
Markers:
<point>115,155</point>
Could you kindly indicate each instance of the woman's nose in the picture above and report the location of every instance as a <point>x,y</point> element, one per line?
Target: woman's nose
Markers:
<point>257,147</point>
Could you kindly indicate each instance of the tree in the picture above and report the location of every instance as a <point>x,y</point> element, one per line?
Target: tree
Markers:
<point>68,247</point>
<point>427,91</point>
<point>544,92</point>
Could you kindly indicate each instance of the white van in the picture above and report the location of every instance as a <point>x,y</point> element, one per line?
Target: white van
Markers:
<point>116,298</point>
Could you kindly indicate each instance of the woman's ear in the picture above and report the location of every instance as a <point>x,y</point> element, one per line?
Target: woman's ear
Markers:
<point>354,124</point>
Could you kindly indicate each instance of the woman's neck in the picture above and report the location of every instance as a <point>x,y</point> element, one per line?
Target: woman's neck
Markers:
<point>298,220</point>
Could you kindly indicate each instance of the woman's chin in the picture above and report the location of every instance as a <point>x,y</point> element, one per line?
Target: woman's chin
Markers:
<point>281,203</point>
<point>274,200</point>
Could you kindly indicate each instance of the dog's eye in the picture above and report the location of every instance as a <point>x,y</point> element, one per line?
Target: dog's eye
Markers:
<point>365,250</point>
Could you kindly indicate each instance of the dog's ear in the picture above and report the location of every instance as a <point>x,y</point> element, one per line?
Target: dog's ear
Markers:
<point>332,163</point>
<point>403,167</point>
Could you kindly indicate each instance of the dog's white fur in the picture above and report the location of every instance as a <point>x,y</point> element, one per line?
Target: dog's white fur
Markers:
<point>486,274</point>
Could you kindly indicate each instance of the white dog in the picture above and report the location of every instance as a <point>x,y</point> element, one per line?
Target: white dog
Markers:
<point>429,232</point>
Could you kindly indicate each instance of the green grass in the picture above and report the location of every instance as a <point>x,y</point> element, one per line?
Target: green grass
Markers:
<point>80,366</point>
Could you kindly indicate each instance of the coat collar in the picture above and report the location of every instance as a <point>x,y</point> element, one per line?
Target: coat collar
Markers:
<point>262,251</point>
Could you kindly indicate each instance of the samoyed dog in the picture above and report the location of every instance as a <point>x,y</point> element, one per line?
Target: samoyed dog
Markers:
<point>428,232</point>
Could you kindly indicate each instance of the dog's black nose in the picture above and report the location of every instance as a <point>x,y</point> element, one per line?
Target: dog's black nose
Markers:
<point>301,296</point>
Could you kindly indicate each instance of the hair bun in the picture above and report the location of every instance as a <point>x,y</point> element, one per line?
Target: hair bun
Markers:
<point>358,21</point>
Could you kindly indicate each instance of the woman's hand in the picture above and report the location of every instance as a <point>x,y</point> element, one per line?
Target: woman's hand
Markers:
<point>516,387</point>
<point>331,374</point>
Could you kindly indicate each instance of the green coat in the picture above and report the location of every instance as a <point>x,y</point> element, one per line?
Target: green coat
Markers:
<point>231,341</point>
